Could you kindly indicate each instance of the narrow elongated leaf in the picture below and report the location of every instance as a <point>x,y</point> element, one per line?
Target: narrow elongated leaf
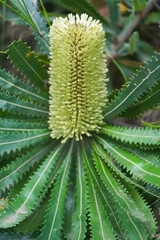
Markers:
<point>17,140</point>
<point>114,13</point>
<point>23,204</point>
<point>70,198</point>
<point>79,218</point>
<point>107,201</point>
<point>133,135</point>
<point>141,204</point>
<point>29,12</point>
<point>13,85</point>
<point>128,22</point>
<point>147,102</point>
<point>13,103</point>
<point>33,223</point>
<point>138,167</point>
<point>10,174</point>
<point>98,149</point>
<point>54,218</point>
<point>27,63</point>
<point>133,42</point>
<point>146,77</point>
<point>100,227</point>
<point>123,200</point>
<point>21,125</point>
<point>149,156</point>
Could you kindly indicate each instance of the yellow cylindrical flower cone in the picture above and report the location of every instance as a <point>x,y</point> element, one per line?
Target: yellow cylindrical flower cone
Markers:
<point>77,76</point>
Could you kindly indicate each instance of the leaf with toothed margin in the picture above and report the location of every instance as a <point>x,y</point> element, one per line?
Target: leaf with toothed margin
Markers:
<point>11,173</point>
<point>149,156</point>
<point>146,78</point>
<point>21,125</point>
<point>138,167</point>
<point>135,217</point>
<point>12,103</point>
<point>126,227</point>
<point>18,140</point>
<point>148,101</point>
<point>27,63</point>
<point>40,29</point>
<point>12,84</point>
<point>97,148</point>
<point>54,217</point>
<point>142,136</point>
<point>142,205</point>
<point>70,199</point>
<point>25,201</point>
<point>107,200</point>
<point>100,227</point>
<point>76,200</point>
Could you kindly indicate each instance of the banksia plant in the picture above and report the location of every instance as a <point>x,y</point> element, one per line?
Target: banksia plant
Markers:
<point>67,171</point>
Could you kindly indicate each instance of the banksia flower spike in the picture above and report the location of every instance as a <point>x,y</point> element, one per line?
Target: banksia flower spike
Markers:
<point>77,76</point>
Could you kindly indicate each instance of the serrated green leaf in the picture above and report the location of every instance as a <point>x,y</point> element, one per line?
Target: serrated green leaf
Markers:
<point>146,77</point>
<point>12,103</point>
<point>11,173</point>
<point>79,218</point>
<point>148,101</point>
<point>107,201</point>
<point>133,42</point>
<point>33,223</point>
<point>135,217</point>
<point>24,202</point>
<point>114,13</point>
<point>150,156</point>
<point>54,217</point>
<point>13,85</point>
<point>29,12</point>
<point>27,63</point>
<point>70,199</point>
<point>138,167</point>
<point>17,140</point>
<point>22,125</point>
<point>100,227</point>
<point>141,136</point>
<point>117,169</point>
<point>141,204</point>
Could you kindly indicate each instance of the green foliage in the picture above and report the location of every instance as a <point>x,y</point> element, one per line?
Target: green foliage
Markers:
<point>27,63</point>
<point>133,42</point>
<point>135,88</point>
<point>29,13</point>
<point>114,13</point>
<point>139,5</point>
<point>94,188</point>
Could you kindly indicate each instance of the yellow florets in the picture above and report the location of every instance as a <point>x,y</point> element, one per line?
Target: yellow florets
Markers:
<point>77,76</point>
